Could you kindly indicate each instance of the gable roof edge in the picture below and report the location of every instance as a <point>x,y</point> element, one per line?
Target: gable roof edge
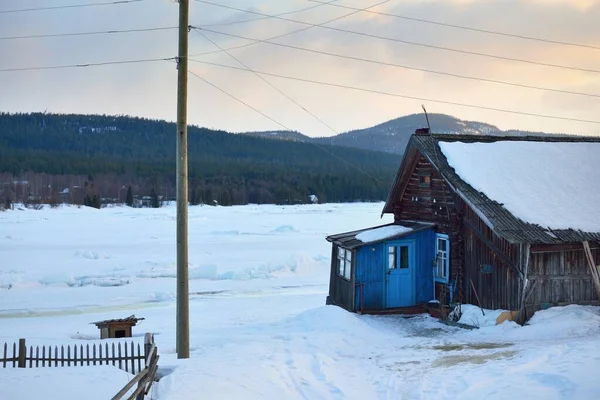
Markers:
<point>410,147</point>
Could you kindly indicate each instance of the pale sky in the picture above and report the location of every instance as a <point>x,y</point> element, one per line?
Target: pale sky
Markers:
<point>149,89</point>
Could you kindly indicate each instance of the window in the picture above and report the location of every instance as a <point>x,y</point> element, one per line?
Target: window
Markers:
<point>442,259</point>
<point>391,257</point>
<point>403,257</point>
<point>344,262</point>
<point>424,180</point>
<point>396,260</point>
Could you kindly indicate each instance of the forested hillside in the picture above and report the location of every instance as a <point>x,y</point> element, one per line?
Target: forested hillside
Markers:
<point>50,153</point>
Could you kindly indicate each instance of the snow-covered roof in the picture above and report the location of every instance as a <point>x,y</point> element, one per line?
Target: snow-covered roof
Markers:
<point>382,233</point>
<point>551,184</point>
<point>354,239</point>
<point>527,189</point>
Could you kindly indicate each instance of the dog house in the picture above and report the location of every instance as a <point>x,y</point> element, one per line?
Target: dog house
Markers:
<point>117,328</point>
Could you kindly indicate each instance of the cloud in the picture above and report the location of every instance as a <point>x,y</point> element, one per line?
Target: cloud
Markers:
<point>149,89</point>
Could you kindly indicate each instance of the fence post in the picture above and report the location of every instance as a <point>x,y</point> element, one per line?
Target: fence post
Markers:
<point>22,353</point>
<point>148,341</point>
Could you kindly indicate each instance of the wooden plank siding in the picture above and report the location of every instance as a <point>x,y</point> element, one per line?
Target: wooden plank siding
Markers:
<point>341,290</point>
<point>371,268</point>
<point>436,204</point>
<point>561,277</point>
<point>500,287</point>
<point>439,204</point>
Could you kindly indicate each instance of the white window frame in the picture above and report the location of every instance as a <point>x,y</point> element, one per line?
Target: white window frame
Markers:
<point>442,259</point>
<point>344,263</point>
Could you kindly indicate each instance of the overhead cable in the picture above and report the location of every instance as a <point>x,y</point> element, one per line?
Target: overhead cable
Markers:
<point>468,28</point>
<point>421,99</point>
<point>106,3</point>
<point>412,43</point>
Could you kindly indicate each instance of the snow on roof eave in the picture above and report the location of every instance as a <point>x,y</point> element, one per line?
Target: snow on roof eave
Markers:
<point>396,236</point>
<point>477,211</point>
<point>331,238</point>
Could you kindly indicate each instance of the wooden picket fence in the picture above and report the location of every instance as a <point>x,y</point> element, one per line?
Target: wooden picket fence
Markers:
<point>126,356</point>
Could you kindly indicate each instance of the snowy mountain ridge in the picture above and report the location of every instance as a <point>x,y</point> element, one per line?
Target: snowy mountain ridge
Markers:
<point>392,136</point>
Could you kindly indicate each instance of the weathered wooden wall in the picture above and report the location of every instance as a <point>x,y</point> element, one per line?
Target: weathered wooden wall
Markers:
<point>436,204</point>
<point>500,286</point>
<point>341,290</point>
<point>561,276</point>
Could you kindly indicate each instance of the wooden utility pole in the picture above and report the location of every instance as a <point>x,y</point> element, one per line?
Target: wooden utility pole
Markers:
<point>183,301</point>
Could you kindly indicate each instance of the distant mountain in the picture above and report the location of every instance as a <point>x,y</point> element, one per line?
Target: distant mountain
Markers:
<point>393,136</point>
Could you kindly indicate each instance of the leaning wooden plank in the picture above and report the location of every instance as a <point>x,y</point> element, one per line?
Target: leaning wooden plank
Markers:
<point>593,268</point>
<point>152,374</point>
<point>137,392</point>
<point>150,354</point>
<point>130,384</point>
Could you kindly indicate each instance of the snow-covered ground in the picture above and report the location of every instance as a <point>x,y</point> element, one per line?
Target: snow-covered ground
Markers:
<point>259,326</point>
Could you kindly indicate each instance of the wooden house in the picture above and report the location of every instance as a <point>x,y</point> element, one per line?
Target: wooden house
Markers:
<point>505,222</point>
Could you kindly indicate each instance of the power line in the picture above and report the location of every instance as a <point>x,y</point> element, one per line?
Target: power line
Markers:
<point>106,3</point>
<point>430,46</point>
<point>291,32</point>
<point>267,82</point>
<point>280,124</point>
<point>240,100</point>
<point>84,65</point>
<point>324,3</point>
<point>273,86</point>
<point>52,35</point>
<point>389,64</point>
<point>403,96</point>
<point>468,28</point>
